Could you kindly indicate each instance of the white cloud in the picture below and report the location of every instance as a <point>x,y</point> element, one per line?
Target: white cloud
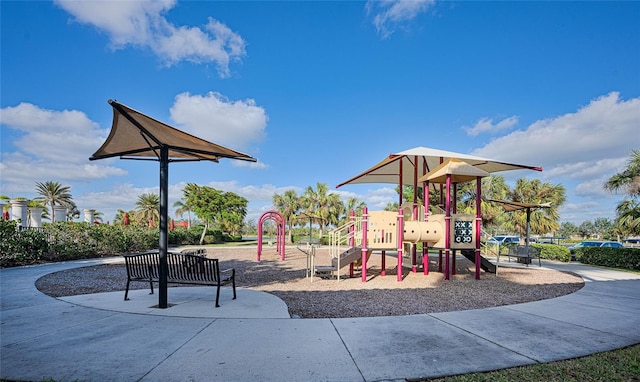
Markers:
<point>486,125</point>
<point>388,15</point>
<point>53,135</point>
<point>142,24</point>
<point>594,139</point>
<point>235,124</point>
<point>53,145</point>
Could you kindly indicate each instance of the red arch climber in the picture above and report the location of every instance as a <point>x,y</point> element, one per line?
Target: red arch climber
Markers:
<point>280,231</point>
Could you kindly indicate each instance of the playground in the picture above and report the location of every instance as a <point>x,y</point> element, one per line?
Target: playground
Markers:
<point>328,298</point>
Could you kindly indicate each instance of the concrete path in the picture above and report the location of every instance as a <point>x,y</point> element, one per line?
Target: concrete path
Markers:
<point>100,337</point>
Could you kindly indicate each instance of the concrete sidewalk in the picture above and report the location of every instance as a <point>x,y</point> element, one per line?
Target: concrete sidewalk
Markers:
<point>100,337</point>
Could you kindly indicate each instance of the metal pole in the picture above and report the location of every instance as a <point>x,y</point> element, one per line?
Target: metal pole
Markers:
<point>164,216</point>
<point>365,227</point>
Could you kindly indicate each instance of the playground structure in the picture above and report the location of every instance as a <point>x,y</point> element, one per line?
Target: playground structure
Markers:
<point>390,231</point>
<point>448,232</point>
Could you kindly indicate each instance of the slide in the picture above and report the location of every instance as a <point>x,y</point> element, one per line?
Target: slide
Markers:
<point>347,257</point>
<point>485,264</point>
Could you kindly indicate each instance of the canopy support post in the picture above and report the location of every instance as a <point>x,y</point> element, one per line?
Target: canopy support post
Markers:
<point>164,216</point>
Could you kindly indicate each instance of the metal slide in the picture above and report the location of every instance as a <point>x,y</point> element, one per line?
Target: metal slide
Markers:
<point>485,264</point>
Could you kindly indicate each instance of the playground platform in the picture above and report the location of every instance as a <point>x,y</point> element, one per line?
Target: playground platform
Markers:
<point>101,337</point>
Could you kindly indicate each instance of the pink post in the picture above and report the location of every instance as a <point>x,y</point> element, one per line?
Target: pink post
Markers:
<point>454,208</point>
<point>425,248</point>
<point>384,266</point>
<point>414,247</point>
<point>365,218</point>
<point>259,241</point>
<point>478,224</point>
<point>447,229</point>
<point>400,239</point>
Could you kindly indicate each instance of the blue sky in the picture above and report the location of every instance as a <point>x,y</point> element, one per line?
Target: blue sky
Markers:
<point>319,91</point>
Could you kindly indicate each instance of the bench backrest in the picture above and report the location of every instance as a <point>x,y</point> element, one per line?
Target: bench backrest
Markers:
<point>180,266</point>
<point>189,267</point>
<point>142,265</point>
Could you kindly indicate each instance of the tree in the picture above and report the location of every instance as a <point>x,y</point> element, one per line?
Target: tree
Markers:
<point>288,205</point>
<point>97,216</point>
<point>586,229</point>
<point>215,206</point>
<point>54,193</point>
<point>628,181</point>
<point>567,229</point>
<point>148,209</point>
<point>316,204</point>
<point>352,204</point>
<point>492,187</point>
<point>183,207</point>
<point>542,220</point>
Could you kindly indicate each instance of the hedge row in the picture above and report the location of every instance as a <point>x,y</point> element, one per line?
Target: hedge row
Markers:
<point>71,241</point>
<point>625,258</point>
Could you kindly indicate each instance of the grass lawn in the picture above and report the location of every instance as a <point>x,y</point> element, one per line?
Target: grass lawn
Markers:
<point>616,365</point>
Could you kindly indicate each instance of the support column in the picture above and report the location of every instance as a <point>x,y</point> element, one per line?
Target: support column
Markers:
<point>19,212</point>
<point>400,242</point>
<point>365,221</point>
<point>35,217</point>
<point>88,215</point>
<point>59,214</point>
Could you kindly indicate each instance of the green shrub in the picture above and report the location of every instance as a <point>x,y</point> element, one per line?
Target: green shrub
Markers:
<point>20,246</point>
<point>626,258</point>
<point>553,252</point>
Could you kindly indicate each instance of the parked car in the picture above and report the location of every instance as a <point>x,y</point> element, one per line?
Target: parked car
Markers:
<point>503,239</point>
<point>592,243</point>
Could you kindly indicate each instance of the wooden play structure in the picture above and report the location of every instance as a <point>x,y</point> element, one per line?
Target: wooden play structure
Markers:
<point>447,232</point>
<point>401,231</point>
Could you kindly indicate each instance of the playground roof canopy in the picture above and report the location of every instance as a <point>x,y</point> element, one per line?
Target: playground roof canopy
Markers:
<point>458,170</point>
<point>137,136</point>
<point>418,161</point>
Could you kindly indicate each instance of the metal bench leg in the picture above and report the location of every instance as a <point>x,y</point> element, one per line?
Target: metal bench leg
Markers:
<point>126,292</point>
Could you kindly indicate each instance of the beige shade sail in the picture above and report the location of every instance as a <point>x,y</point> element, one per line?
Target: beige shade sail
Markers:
<point>422,160</point>
<point>137,136</point>
<point>459,171</point>
<point>515,206</point>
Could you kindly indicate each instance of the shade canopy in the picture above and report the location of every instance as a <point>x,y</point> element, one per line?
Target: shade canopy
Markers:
<point>459,171</point>
<point>137,136</point>
<point>419,161</point>
<point>516,206</point>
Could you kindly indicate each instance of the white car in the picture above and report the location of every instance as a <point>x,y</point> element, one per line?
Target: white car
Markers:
<point>502,240</point>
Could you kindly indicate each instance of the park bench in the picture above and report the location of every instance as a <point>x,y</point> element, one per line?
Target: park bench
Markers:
<point>309,241</point>
<point>187,267</point>
<point>524,254</point>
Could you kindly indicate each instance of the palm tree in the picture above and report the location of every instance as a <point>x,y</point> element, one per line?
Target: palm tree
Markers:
<point>629,179</point>
<point>352,204</point>
<point>288,205</point>
<point>54,193</point>
<point>148,208</point>
<point>493,187</point>
<point>182,207</point>
<point>97,216</point>
<point>322,205</point>
<point>628,210</point>
<point>543,220</point>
